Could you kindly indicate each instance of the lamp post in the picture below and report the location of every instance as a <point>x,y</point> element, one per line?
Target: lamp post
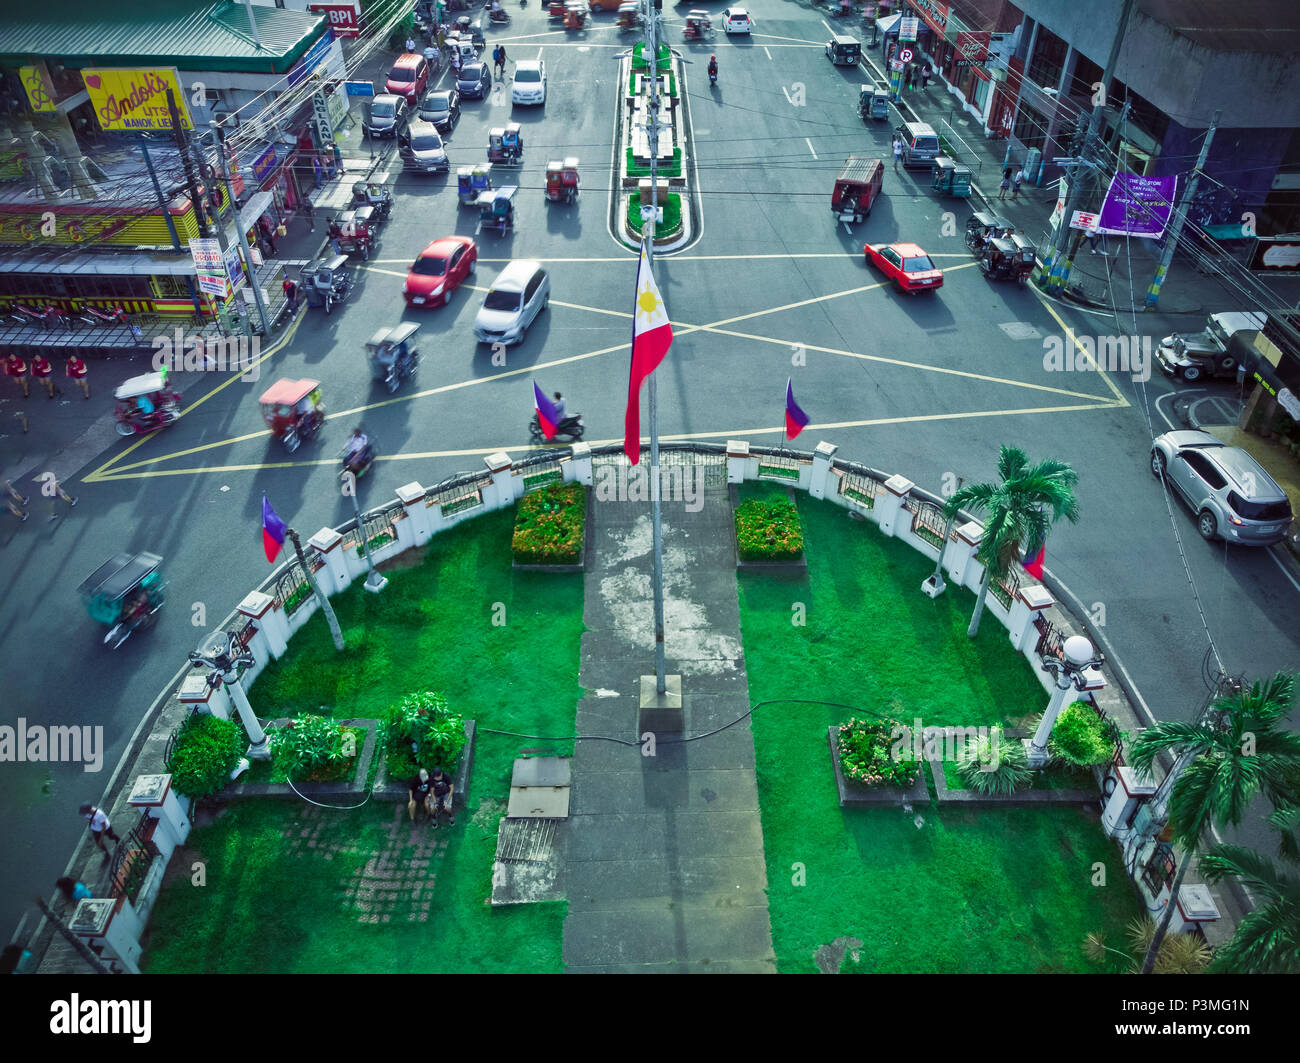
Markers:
<point>221,655</point>
<point>220,139</point>
<point>1079,657</point>
<point>374,582</point>
<point>934,585</point>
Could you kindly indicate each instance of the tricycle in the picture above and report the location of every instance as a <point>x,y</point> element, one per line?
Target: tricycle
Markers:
<point>698,26</point>
<point>326,282</point>
<point>562,181</point>
<point>629,15</point>
<point>1008,257</point>
<point>496,209</point>
<point>393,355</point>
<point>506,145</point>
<point>358,230</point>
<point>949,179</point>
<point>366,194</point>
<point>124,593</point>
<point>575,15</point>
<point>856,188</point>
<point>293,410</point>
<point>982,227</point>
<point>144,404</point>
<point>471,182</point>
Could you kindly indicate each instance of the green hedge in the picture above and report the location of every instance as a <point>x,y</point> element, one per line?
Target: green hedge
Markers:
<point>423,721</point>
<point>549,526</point>
<point>672,214</point>
<point>206,751</point>
<point>673,169</point>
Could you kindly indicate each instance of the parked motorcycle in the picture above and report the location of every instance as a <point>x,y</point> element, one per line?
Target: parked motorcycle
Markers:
<point>98,315</point>
<point>572,427</point>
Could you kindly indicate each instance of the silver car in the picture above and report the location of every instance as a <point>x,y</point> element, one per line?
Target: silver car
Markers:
<point>520,293</point>
<point>1232,495</point>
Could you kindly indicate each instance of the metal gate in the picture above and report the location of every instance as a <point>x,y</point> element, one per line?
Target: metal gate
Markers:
<point>713,467</point>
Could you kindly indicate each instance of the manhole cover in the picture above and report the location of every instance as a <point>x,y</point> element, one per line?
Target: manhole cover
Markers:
<point>1020,330</point>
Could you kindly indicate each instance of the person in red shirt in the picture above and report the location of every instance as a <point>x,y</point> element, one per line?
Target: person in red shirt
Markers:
<point>44,373</point>
<point>16,368</point>
<point>76,370</point>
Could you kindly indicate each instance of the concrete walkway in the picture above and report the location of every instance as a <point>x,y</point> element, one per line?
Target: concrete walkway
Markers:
<point>665,869</point>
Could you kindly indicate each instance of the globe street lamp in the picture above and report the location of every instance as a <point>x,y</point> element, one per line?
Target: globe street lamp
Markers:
<point>1078,657</point>
<point>221,654</point>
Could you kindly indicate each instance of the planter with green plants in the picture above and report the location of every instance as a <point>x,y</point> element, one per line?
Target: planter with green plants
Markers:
<point>872,756</point>
<point>768,531</point>
<point>207,749</point>
<point>550,528</point>
<point>1080,738</point>
<point>421,731</point>
<point>310,749</point>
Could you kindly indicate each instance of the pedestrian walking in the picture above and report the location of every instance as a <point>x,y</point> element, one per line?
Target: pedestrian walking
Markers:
<point>291,293</point>
<point>72,890</point>
<point>410,44</point>
<point>310,211</point>
<point>75,369</point>
<point>336,234</point>
<point>1006,183</point>
<point>499,60</point>
<point>14,502</point>
<point>100,826</point>
<point>925,77</point>
<point>57,492</point>
<point>268,232</point>
<point>16,369</point>
<point>898,151</point>
<point>43,371</point>
<point>1015,183</point>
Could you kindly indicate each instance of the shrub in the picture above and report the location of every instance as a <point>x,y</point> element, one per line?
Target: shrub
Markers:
<point>206,751</point>
<point>1079,736</point>
<point>549,525</point>
<point>422,732</point>
<point>672,208</point>
<point>768,530</point>
<point>992,765</point>
<point>311,745</point>
<point>872,755</point>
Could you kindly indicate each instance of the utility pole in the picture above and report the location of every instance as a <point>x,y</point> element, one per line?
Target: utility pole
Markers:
<point>179,130</point>
<point>648,241</point>
<point>1058,259</point>
<point>239,229</point>
<point>1179,219</point>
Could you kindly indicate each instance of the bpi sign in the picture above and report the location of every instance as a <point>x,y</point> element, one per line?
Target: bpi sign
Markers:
<point>343,18</point>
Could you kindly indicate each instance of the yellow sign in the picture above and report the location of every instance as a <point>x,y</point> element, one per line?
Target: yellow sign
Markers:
<point>40,93</point>
<point>126,100</point>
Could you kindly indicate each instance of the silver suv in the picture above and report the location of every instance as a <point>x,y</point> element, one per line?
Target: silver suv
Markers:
<point>1232,495</point>
<point>521,292</point>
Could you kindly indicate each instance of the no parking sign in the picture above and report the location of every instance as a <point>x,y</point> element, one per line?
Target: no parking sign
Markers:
<point>905,56</point>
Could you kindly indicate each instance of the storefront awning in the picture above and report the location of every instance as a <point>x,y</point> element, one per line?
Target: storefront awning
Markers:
<point>137,264</point>
<point>888,25</point>
<point>257,205</point>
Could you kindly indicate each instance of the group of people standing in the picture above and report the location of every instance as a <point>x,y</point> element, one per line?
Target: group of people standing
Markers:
<point>1011,181</point>
<point>17,369</point>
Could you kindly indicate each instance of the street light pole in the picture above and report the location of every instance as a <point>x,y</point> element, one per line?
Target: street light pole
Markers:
<point>374,582</point>
<point>1179,219</point>
<point>239,228</point>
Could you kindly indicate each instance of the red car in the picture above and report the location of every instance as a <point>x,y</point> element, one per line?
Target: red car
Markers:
<point>906,265</point>
<point>441,268</point>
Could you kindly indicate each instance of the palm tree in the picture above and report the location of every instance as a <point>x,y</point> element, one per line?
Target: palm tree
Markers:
<point>1015,513</point>
<point>1267,941</point>
<point>1236,751</point>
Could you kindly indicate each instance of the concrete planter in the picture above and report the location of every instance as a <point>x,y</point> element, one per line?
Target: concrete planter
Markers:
<point>387,789</point>
<point>854,796</point>
<point>355,786</point>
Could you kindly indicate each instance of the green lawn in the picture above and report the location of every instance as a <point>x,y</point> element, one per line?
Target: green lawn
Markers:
<point>504,648</point>
<point>672,208</point>
<point>966,891</point>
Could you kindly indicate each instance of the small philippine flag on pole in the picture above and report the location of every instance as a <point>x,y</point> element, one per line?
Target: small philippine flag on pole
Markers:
<point>272,531</point>
<point>547,415</point>
<point>652,335</point>
<point>795,419</point>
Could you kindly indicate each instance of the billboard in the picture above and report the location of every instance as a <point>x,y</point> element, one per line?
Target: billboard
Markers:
<point>209,266</point>
<point>36,83</point>
<point>1137,206</point>
<point>1276,256</point>
<point>134,100</point>
<point>343,18</point>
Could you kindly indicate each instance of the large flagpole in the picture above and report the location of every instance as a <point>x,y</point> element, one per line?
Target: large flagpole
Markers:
<point>648,227</point>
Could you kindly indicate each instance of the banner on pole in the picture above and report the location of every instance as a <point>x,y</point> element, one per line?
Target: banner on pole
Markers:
<point>1063,193</point>
<point>1138,206</point>
<point>210,267</point>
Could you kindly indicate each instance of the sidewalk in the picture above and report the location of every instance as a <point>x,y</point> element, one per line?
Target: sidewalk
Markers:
<point>1117,280</point>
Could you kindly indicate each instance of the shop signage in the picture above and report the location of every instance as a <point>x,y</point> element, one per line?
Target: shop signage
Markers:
<point>321,108</point>
<point>306,66</point>
<point>342,18</point>
<point>134,100</point>
<point>361,88</point>
<point>1137,206</point>
<point>264,164</point>
<point>40,92</point>
<point>209,266</point>
<point>1063,193</point>
<point>234,267</point>
<point>1287,400</point>
<point>1081,219</point>
<point>1276,256</point>
<point>973,47</point>
<point>907,29</point>
<point>934,13</point>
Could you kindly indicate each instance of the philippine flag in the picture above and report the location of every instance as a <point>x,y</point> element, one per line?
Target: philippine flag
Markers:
<point>547,415</point>
<point>652,335</point>
<point>1032,562</point>
<point>795,419</point>
<point>272,531</point>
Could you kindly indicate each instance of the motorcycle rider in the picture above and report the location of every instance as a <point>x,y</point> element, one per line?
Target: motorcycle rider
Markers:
<point>560,416</point>
<point>713,70</point>
<point>355,452</point>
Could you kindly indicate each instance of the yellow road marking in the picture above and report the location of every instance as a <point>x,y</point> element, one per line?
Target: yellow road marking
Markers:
<point>1120,400</point>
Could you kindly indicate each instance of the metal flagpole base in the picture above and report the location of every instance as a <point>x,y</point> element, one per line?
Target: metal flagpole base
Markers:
<point>934,586</point>
<point>375,583</point>
<point>660,713</point>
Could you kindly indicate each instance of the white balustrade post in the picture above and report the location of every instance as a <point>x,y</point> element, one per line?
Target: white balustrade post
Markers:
<point>417,513</point>
<point>155,793</point>
<point>580,466</point>
<point>1131,789</point>
<point>821,470</point>
<point>890,504</point>
<point>200,696</point>
<point>502,493</point>
<point>737,460</point>
<point>111,927</point>
<point>1026,607</point>
<point>959,559</point>
<point>271,638</point>
<point>334,577</point>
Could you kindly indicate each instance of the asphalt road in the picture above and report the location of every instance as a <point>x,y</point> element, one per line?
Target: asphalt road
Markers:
<point>771,287</point>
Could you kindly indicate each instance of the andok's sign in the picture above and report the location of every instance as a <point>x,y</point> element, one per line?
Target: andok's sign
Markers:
<point>131,100</point>
<point>934,13</point>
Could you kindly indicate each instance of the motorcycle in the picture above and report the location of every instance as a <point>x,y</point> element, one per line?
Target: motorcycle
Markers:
<point>48,316</point>
<point>713,76</point>
<point>96,315</point>
<point>570,426</point>
<point>360,463</point>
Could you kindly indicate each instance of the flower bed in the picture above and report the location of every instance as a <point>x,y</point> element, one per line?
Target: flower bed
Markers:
<point>549,526</point>
<point>768,530</point>
<point>206,750</point>
<point>871,754</point>
<point>309,749</point>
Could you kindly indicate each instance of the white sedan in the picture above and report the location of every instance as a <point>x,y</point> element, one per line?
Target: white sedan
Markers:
<point>529,85</point>
<point>736,20</point>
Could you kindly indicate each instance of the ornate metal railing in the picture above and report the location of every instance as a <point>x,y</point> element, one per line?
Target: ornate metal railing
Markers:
<point>131,860</point>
